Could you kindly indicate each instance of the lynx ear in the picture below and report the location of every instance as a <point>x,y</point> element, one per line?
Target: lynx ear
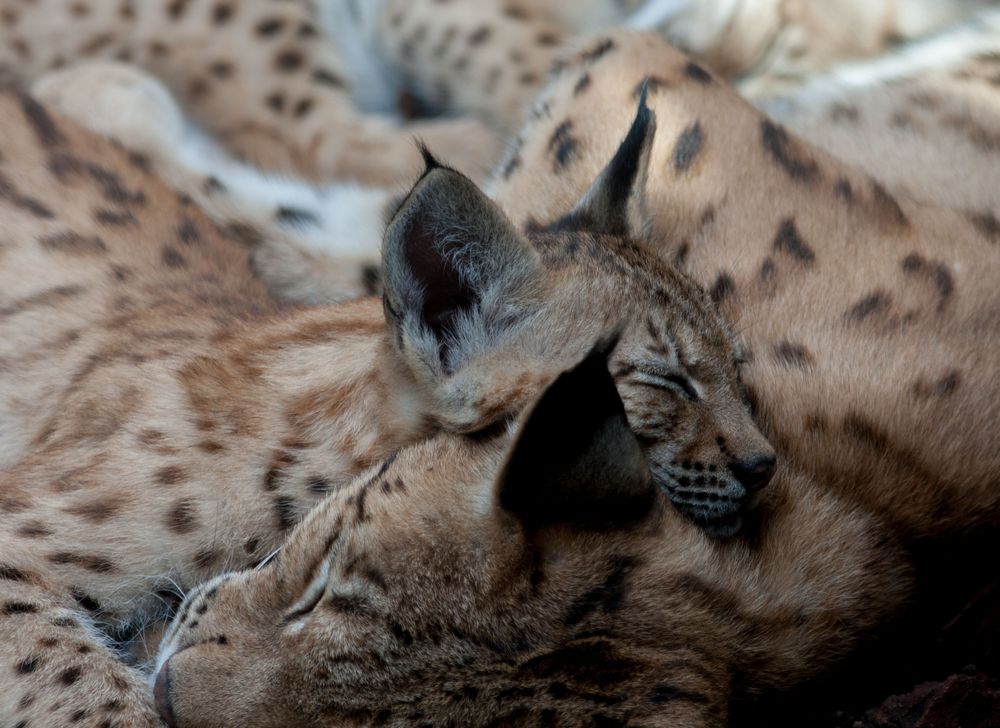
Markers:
<point>455,270</point>
<point>615,202</point>
<point>575,460</point>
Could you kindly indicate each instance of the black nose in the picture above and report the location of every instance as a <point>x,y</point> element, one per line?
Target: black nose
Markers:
<point>755,471</point>
<point>161,693</point>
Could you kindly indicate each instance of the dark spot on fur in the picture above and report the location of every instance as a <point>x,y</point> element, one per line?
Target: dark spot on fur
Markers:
<point>188,232</point>
<point>319,485</point>
<point>43,125</point>
<point>875,303</point>
<point>269,27</point>
<point>221,13</point>
<point>73,243</point>
<point>284,510</point>
<point>172,257</point>
<point>296,217</point>
<point>784,150</point>
<point>693,71</point>
<point>934,272</point>
<point>987,225</point>
<point>28,665</point>
<point>562,145</point>
<point>789,241</point>
<point>688,146</point>
<point>97,564</point>
<point>115,218</point>
<point>598,51</point>
<point>327,78</point>
<point>793,355</point>
<point>70,675</point>
<point>608,596</point>
<point>844,190</point>
<point>723,287</point>
<point>480,35</point>
<point>582,84</point>
<point>942,387</point>
<point>288,60</point>
<point>862,430</point>
<point>183,516</point>
<point>11,573</point>
<point>170,475</point>
<point>11,608</point>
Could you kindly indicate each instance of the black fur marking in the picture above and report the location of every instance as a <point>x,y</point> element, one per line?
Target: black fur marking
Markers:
<point>284,510</point>
<point>608,596</point>
<point>789,241</point>
<point>188,232</point>
<point>793,355</point>
<point>693,71</point>
<point>562,145</point>
<point>782,148</point>
<point>12,573</point>
<point>723,287</point>
<point>19,608</point>
<point>877,302</point>
<point>44,126</point>
<point>599,51</point>
<point>296,217</point>
<point>688,147</point>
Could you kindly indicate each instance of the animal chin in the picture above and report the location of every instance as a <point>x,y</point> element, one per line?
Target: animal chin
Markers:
<point>718,520</point>
<point>724,526</point>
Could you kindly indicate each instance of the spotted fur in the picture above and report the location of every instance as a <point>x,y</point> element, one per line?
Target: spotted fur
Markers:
<point>845,291</point>
<point>266,79</point>
<point>553,588</point>
<point>165,419</point>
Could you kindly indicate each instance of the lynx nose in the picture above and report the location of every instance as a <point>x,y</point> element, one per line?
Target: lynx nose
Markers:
<point>755,471</point>
<point>161,693</point>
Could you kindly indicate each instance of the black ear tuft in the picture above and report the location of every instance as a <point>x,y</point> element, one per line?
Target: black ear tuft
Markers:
<point>576,461</point>
<point>614,202</point>
<point>430,162</point>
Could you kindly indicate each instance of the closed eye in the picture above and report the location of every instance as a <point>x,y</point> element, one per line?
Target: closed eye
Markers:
<point>657,377</point>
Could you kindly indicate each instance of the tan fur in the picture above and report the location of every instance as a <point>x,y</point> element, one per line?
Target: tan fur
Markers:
<point>648,624</point>
<point>270,83</point>
<point>165,420</point>
<point>820,268</point>
<point>262,76</point>
<point>268,215</point>
<point>934,137</point>
<point>871,320</point>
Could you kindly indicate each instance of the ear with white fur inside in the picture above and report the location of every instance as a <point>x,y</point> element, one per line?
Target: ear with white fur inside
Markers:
<point>455,272</point>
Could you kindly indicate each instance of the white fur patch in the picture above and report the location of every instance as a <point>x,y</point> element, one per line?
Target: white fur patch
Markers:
<point>343,219</point>
<point>353,25</point>
<point>655,13</point>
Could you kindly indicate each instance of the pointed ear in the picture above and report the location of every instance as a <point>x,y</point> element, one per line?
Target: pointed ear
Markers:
<point>575,460</point>
<point>615,202</point>
<point>454,268</point>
